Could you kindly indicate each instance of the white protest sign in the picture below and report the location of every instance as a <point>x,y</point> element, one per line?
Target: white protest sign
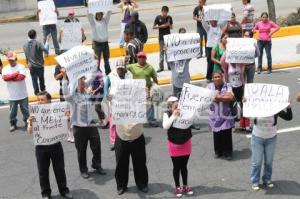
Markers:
<point>218,12</point>
<point>99,6</point>
<point>50,123</point>
<point>71,35</point>
<point>182,46</point>
<point>129,102</point>
<point>47,14</point>
<point>265,100</point>
<point>79,62</point>
<point>194,100</point>
<point>240,50</point>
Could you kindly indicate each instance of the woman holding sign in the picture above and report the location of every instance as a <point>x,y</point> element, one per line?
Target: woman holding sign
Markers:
<point>179,146</point>
<point>263,144</point>
<point>220,120</point>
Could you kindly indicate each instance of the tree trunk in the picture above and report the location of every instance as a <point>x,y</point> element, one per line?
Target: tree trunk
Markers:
<point>272,11</point>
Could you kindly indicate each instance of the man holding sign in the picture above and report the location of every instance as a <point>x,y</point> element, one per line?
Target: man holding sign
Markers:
<point>49,149</point>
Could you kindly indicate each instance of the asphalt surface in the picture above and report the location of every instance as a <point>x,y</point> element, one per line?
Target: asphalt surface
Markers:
<point>14,35</point>
<point>209,177</point>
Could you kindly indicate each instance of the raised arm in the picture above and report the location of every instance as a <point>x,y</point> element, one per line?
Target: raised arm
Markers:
<point>168,121</point>
<point>286,115</point>
<point>107,16</point>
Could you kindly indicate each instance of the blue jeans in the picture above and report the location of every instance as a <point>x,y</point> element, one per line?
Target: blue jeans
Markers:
<point>51,29</point>
<point>102,48</point>
<point>249,74</point>
<point>13,110</point>
<point>37,74</point>
<point>267,45</point>
<point>203,35</point>
<point>150,113</point>
<point>262,149</point>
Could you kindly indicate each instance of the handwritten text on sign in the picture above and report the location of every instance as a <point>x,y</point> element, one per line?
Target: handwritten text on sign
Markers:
<point>129,102</point>
<point>240,50</point>
<point>265,100</point>
<point>194,100</point>
<point>79,62</point>
<point>219,12</point>
<point>50,124</point>
<point>71,35</point>
<point>100,6</point>
<point>47,14</point>
<point>182,46</point>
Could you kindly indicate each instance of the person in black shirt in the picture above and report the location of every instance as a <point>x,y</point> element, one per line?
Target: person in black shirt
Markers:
<point>198,15</point>
<point>164,24</point>
<point>138,28</point>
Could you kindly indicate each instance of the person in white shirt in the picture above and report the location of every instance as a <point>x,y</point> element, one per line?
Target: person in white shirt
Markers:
<point>14,75</point>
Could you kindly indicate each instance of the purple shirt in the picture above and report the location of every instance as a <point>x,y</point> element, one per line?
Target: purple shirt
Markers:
<point>220,117</point>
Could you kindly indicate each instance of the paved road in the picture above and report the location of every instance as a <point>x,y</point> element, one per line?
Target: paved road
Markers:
<point>13,35</point>
<point>210,178</point>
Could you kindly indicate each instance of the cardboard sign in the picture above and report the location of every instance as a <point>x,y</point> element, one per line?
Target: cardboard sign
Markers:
<point>50,123</point>
<point>194,100</point>
<point>99,6</point>
<point>71,35</point>
<point>79,62</point>
<point>218,12</point>
<point>129,102</point>
<point>240,50</point>
<point>265,100</point>
<point>182,46</point>
<point>47,14</point>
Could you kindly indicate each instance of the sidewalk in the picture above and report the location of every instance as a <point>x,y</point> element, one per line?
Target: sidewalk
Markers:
<point>284,53</point>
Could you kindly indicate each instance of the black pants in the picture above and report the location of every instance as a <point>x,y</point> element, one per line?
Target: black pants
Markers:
<point>82,136</point>
<point>102,49</point>
<point>180,166</point>
<point>210,64</point>
<point>223,142</point>
<point>239,94</point>
<point>37,76</point>
<point>137,150</point>
<point>55,154</point>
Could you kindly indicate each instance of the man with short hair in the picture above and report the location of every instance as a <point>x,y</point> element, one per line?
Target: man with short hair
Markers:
<point>14,75</point>
<point>45,154</point>
<point>197,16</point>
<point>138,27</point>
<point>33,50</point>
<point>132,48</point>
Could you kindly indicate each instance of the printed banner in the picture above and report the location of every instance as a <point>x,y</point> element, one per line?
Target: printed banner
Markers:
<point>194,100</point>
<point>265,100</point>
<point>71,35</point>
<point>50,123</point>
<point>99,6</point>
<point>79,62</point>
<point>129,102</point>
<point>219,12</point>
<point>47,14</point>
<point>240,50</point>
<point>182,46</point>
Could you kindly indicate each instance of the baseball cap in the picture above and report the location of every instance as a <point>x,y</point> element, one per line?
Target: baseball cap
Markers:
<point>71,12</point>
<point>172,99</point>
<point>141,54</point>
<point>120,63</point>
<point>11,56</point>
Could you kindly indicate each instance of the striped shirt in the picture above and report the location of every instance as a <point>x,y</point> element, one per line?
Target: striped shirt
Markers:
<point>132,48</point>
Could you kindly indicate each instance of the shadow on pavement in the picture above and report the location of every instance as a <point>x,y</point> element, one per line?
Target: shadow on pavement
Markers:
<point>241,155</point>
<point>202,190</point>
<point>284,187</point>
<point>102,179</point>
<point>148,140</point>
<point>83,194</point>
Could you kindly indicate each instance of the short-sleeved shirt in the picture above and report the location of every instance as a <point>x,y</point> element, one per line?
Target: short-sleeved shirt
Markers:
<point>160,20</point>
<point>248,13</point>
<point>219,53</point>
<point>199,13</point>
<point>16,89</point>
<point>180,72</point>
<point>147,72</point>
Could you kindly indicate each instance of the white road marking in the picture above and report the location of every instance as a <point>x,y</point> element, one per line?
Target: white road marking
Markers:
<point>283,131</point>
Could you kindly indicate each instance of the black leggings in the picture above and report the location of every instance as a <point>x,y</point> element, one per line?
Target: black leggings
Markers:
<point>180,165</point>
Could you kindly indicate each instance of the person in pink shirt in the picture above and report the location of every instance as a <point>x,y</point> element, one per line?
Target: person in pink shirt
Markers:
<point>179,146</point>
<point>266,29</point>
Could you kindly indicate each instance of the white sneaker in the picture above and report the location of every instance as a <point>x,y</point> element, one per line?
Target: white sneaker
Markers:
<point>268,184</point>
<point>255,187</point>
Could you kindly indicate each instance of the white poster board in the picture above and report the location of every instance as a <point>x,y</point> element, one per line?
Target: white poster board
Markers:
<point>194,100</point>
<point>182,46</point>
<point>265,100</point>
<point>50,123</point>
<point>240,50</point>
<point>95,6</point>
<point>71,35</point>
<point>129,102</point>
<point>79,62</point>
<point>218,12</point>
<point>47,14</point>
